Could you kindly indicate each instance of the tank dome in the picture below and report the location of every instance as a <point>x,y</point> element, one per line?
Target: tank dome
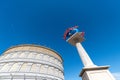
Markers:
<point>31,62</point>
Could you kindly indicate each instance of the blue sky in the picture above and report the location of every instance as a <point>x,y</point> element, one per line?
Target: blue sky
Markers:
<point>43,22</point>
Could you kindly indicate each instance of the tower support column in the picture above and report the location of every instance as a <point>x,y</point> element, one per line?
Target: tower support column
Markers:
<point>87,62</point>
<point>90,71</point>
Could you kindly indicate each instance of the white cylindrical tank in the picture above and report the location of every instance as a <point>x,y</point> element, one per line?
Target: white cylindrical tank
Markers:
<point>31,62</point>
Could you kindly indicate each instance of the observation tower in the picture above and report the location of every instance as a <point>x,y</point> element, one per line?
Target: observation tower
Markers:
<point>31,62</point>
<point>90,71</point>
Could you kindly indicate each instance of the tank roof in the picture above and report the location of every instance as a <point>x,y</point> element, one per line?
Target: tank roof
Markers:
<point>31,46</point>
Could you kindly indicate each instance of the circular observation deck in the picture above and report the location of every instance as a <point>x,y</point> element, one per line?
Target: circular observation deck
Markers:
<point>31,62</point>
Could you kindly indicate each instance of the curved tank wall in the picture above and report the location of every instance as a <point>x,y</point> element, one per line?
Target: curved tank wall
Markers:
<point>31,62</point>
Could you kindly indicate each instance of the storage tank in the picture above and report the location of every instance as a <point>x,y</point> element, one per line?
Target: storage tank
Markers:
<point>31,62</point>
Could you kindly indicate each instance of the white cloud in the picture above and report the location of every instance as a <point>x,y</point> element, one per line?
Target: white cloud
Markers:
<point>116,75</point>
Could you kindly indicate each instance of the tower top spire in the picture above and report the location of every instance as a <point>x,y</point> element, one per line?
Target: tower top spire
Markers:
<point>72,35</point>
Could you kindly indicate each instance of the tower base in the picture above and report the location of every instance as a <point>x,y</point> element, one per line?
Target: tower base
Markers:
<point>96,73</point>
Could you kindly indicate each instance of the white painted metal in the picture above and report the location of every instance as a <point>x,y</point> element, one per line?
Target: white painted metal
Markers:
<point>30,65</point>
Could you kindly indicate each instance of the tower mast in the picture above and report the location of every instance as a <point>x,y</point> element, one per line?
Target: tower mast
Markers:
<point>90,70</point>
